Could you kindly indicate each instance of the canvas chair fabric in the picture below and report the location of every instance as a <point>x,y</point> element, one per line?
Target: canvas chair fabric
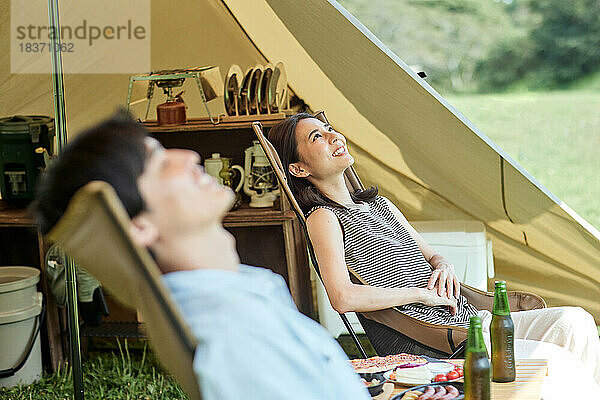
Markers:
<point>94,231</point>
<point>437,340</point>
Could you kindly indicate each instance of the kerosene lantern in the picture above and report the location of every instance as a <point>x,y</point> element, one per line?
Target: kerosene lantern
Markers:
<point>260,183</point>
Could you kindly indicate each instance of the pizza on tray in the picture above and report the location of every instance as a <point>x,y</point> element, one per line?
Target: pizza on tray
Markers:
<point>381,364</point>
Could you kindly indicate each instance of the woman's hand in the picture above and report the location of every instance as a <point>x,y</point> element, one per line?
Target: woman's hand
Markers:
<point>443,278</point>
<point>431,298</point>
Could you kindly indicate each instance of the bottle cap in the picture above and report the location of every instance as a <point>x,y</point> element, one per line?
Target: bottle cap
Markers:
<point>216,155</point>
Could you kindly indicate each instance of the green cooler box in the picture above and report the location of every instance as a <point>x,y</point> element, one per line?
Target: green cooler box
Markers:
<point>26,144</point>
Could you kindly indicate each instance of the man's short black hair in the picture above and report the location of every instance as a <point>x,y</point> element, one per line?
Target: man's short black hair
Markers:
<point>112,151</point>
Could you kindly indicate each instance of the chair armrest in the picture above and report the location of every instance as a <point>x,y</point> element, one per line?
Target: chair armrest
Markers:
<point>518,300</point>
<point>522,301</point>
<point>479,299</point>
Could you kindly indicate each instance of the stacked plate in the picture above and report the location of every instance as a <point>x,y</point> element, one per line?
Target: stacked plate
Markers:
<point>261,90</point>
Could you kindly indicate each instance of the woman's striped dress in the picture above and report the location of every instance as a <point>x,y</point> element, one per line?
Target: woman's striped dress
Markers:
<point>379,249</point>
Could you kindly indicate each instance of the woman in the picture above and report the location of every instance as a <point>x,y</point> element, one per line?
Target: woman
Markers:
<point>367,233</point>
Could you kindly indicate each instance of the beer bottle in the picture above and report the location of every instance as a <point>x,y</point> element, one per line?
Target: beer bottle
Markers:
<point>477,364</point>
<point>502,331</point>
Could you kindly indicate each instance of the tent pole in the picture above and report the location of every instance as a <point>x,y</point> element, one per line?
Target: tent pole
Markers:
<point>57,77</point>
<point>61,129</point>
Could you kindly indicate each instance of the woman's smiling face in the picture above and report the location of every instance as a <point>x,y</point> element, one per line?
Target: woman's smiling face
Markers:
<point>322,150</point>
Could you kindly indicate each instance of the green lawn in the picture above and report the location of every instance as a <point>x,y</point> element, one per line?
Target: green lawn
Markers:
<point>555,136</point>
<point>120,373</point>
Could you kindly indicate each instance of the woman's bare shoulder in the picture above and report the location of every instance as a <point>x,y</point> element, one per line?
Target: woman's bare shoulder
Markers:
<point>321,215</point>
<point>325,230</point>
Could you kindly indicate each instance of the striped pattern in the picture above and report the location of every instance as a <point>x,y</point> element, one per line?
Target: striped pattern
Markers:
<point>379,249</point>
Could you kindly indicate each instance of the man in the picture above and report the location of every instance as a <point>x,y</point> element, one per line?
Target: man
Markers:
<point>253,343</point>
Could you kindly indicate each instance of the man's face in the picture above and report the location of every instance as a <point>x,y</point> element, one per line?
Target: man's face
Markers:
<point>179,196</point>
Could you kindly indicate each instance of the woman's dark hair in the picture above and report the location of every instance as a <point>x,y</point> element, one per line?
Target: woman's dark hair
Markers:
<point>112,151</point>
<point>283,138</point>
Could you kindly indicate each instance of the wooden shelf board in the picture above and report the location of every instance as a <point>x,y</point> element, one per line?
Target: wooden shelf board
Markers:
<point>14,216</point>
<point>254,215</point>
<point>225,122</point>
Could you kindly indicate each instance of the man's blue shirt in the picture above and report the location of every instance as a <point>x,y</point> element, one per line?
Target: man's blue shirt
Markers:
<point>254,344</point>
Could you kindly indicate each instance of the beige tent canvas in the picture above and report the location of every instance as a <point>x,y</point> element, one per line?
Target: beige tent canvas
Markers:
<point>424,155</point>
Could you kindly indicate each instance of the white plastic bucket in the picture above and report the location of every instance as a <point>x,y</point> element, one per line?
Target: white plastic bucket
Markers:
<point>20,306</point>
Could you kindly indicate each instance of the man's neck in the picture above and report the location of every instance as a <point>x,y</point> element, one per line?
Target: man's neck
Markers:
<point>210,248</point>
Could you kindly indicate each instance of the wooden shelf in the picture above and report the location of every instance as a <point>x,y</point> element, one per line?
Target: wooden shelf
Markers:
<point>258,215</point>
<point>198,125</point>
<point>15,215</point>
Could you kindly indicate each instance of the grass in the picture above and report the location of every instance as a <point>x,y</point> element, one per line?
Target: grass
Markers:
<point>554,135</point>
<point>123,370</point>
<point>119,374</point>
<point>347,344</point>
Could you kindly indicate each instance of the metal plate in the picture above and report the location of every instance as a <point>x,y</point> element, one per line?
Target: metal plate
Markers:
<point>263,88</point>
<point>233,82</point>
<point>254,84</point>
<point>278,88</point>
<point>243,95</point>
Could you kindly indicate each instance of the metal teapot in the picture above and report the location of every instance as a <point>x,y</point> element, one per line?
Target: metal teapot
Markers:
<point>213,166</point>
<point>227,174</point>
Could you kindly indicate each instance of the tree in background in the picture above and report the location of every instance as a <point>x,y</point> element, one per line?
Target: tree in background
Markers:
<point>568,38</point>
<point>489,45</point>
<point>447,39</point>
<point>560,44</point>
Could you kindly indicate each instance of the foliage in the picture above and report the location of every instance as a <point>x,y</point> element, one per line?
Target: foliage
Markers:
<point>489,45</point>
<point>568,39</point>
<point>561,45</point>
<point>116,375</point>
<point>445,38</point>
<point>506,64</point>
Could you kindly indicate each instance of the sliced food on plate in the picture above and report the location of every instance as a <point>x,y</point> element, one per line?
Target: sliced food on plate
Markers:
<point>410,376</point>
<point>381,364</point>
<point>446,392</point>
<point>431,372</point>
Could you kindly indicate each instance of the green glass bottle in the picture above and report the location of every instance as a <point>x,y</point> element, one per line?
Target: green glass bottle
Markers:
<point>477,365</point>
<point>502,332</point>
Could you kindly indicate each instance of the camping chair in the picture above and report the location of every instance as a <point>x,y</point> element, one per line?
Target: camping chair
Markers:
<point>390,331</point>
<point>94,232</point>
